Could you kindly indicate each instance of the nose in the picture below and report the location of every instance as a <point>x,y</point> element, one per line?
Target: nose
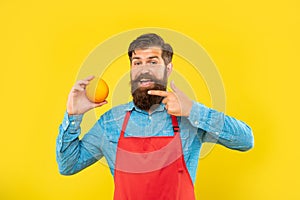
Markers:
<point>145,69</point>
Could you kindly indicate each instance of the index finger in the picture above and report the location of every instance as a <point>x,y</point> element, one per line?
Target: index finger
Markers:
<point>89,78</point>
<point>158,93</point>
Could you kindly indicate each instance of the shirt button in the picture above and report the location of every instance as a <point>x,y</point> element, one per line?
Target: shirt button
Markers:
<point>59,141</point>
<point>150,117</point>
<point>217,133</point>
<point>196,122</point>
<point>72,123</point>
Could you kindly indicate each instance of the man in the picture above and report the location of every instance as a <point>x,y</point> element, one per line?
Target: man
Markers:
<point>151,144</point>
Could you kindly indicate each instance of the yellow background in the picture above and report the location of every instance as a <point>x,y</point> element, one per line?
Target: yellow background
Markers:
<point>255,46</point>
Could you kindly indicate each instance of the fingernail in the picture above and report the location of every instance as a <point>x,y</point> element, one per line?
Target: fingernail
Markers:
<point>149,92</point>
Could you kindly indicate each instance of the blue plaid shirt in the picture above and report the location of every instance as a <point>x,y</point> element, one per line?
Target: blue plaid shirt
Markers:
<point>203,125</point>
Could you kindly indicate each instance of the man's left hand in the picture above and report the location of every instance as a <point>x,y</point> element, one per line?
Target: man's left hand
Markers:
<point>176,102</point>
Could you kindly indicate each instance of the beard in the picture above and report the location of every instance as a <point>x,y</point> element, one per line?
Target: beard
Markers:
<point>140,95</point>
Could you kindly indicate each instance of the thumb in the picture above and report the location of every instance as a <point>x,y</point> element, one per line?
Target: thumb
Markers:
<point>173,87</point>
<point>99,104</point>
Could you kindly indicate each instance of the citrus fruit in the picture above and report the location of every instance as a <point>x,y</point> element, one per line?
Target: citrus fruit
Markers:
<point>97,90</point>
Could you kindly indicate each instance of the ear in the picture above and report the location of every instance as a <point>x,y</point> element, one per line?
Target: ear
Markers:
<point>169,68</point>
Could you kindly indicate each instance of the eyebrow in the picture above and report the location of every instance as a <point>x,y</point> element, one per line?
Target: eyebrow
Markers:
<point>151,57</point>
<point>136,58</point>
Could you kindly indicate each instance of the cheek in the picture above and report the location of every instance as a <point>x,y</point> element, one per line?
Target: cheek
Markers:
<point>133,74</point>
<point>160,74</point>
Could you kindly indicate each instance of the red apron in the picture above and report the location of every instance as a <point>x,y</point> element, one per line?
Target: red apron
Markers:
<point>151,168</point>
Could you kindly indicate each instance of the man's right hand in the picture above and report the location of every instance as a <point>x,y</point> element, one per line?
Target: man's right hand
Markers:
<point>78,103</point>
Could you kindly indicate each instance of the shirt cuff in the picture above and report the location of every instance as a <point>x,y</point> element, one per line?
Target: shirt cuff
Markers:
<point>71,121</point>
<point>206,118</point>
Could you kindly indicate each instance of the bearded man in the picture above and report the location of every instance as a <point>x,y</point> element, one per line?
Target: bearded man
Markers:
<point>152,143</point>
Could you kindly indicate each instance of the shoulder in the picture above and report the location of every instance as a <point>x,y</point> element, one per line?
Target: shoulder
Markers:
<point>116,113</point>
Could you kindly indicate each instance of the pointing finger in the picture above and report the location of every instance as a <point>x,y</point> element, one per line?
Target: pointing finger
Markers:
<point>158,93</point>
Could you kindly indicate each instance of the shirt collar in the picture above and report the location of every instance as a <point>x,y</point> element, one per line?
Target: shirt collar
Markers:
<point>131,106</point>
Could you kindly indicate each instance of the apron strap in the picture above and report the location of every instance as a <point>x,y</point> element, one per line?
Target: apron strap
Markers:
<point>176,128</point>
<point>127,116</point>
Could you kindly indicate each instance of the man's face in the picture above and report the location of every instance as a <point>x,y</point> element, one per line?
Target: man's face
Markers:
<point>148,71</point>
<point>147,61</point>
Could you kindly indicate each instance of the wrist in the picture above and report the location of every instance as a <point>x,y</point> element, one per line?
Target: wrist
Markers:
<point>188,108</point>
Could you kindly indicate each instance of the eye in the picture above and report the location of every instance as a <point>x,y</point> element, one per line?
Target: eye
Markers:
<point>153,62</point>
<point>137,63</point>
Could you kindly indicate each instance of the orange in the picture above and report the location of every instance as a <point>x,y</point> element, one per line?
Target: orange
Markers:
<point>97,90</point>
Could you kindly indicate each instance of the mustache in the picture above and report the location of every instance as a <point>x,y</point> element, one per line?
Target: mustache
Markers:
<point>146,76</point>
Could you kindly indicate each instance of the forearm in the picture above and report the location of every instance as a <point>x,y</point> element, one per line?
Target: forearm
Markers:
<point>236,135</point>
<point>71,153</point>
<point>219,128</point>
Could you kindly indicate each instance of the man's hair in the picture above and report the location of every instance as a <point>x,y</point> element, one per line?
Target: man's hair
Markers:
<point>148,40</point>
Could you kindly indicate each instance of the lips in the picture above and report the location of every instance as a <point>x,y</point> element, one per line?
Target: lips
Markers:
<point>144,82</point>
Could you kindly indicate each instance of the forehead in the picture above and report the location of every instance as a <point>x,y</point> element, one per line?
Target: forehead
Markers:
<point>146,53</point>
